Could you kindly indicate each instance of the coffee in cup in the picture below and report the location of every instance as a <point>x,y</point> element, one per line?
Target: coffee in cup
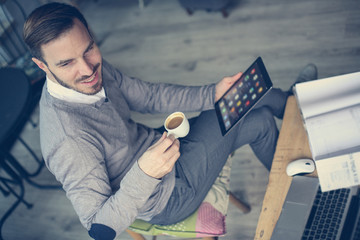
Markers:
<point>176,124</point>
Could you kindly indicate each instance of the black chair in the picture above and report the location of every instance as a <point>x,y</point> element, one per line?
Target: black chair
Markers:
<point>16,102</point>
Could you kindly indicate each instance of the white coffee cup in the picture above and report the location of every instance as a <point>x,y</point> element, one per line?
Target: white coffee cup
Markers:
<point>177,124</point>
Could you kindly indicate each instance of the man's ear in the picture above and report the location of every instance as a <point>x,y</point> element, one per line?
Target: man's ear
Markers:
<point>40,64</point>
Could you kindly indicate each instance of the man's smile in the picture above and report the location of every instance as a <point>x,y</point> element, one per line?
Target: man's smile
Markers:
<point>92,80</point>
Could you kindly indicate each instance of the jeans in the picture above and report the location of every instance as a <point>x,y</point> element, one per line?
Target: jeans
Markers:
<point>204,152</point>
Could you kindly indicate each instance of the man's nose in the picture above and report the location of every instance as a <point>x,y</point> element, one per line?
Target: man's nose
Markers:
<point>86,68</point>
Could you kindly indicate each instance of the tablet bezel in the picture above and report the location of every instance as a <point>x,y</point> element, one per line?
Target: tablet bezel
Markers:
<point>268,84</point>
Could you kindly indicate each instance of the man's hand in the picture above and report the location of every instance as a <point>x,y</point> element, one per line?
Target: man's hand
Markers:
<point>225,84</point>
<point>160,158</point>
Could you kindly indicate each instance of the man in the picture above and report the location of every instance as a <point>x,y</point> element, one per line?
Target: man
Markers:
<point>113,169</point>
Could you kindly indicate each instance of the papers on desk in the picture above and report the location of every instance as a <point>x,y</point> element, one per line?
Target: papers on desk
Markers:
<point>331,112</point>
<point>339,172</point>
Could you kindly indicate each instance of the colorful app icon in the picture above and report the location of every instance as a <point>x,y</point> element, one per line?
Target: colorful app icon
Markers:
<point>234,90</point>
<point>225,117</point>
<point>232,109</point>
<point>247,77</point>
<point>245,96</point>
<point>255,77</point>
<point>222,104</point>
<point>247,103</point>
<point>240,110</point>
<point>231,103</point>
<point>260,90</point>
<point>257,84</point>
<point>227,124</point>
<point>223,110</point>
<point>237,96</point>
<point>238,103</point>
<point>241,84</point>
<point>253,71</point>
<point>253,96</point>
<point>251,90</point>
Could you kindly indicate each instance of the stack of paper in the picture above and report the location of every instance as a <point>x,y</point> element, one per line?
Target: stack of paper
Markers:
<point>331,112</point>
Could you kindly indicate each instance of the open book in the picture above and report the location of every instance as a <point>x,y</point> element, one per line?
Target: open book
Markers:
<point>330,109</point>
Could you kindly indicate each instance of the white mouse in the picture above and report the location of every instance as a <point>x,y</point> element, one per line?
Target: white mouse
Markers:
<point>300,166</point>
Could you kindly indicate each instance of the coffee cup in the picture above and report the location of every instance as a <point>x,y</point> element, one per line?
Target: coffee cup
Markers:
<point>176,124</point>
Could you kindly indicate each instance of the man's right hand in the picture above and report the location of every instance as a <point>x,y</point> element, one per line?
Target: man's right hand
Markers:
<point>160,158</point>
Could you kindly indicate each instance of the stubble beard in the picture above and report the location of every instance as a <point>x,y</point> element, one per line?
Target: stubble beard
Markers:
<point>97,87</point>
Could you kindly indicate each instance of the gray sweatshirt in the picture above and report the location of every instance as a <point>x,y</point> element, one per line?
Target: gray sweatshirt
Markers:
<point>92,149</point>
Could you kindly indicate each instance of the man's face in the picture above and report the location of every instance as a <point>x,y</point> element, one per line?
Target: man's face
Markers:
<point>73,60</point>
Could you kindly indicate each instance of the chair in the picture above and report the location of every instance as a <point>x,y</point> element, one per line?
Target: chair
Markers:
<point>16,103</point>
<point>22,74</point>
<point>207,222</point>
<point>15,108</point>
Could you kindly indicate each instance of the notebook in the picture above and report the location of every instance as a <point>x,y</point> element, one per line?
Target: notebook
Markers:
<point>309,213</point>
<point>330,108</point>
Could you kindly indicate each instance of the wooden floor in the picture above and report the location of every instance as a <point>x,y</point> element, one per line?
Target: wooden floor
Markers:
<point>161,43</point>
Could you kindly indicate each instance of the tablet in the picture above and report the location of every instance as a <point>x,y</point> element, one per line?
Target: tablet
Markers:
<point>243,95</point>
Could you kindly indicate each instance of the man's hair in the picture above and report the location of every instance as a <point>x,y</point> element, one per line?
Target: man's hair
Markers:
<point>47,23</point>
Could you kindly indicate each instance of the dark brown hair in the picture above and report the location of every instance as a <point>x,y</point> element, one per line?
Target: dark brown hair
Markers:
<point>47,23</point>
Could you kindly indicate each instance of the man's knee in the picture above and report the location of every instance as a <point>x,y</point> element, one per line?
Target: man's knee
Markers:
<point>265,120</point>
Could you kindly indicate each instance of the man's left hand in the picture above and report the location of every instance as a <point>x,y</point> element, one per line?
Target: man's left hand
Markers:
<point>225,84</point>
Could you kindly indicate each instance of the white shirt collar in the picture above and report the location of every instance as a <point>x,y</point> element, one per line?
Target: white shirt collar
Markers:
<point>70,95</point>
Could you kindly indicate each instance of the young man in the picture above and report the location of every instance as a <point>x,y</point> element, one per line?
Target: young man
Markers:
<point>113,169</point>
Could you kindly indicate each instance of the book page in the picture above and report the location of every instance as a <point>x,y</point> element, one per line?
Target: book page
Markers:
<point>334,133</point>
<point>328,94</point>
<point>331,112</point>
<point>339,172</point>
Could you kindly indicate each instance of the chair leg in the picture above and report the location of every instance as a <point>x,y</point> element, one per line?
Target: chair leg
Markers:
<point>23,172</point>
<point>242,206</point>
<point>134,235</point>
<point>4,192</point>
<point>20,197</point>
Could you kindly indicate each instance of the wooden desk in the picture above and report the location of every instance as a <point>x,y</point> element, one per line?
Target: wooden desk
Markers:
<point>292,144</point>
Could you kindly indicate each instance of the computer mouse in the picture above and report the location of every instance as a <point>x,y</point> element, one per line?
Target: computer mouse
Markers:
<point>300,167</point>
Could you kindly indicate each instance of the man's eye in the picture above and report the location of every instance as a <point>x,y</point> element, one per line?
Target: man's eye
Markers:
<point>64,64</point>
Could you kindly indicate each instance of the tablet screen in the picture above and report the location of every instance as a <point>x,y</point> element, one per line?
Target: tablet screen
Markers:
<point>246,92</point>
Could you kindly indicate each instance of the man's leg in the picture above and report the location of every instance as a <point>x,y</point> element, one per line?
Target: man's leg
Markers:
<point>204,152</point>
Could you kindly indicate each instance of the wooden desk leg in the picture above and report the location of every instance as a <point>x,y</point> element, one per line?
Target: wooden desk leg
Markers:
<point>134,235</point>
<point>242,206</point>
